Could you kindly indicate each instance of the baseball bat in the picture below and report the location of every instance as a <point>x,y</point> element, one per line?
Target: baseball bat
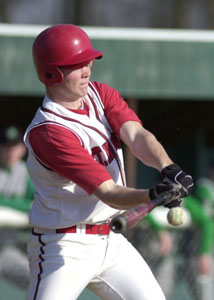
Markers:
<point>129,218</point>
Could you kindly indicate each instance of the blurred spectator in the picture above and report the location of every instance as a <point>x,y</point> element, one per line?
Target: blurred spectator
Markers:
<point>201,207</point>
<point>16,195</point>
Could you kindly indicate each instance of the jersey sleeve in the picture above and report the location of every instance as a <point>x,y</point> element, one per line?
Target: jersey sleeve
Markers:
<point>61,150</point>
<point>116,109</point>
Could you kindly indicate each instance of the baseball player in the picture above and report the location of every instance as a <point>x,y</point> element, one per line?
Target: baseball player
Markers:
<point>76,165</point>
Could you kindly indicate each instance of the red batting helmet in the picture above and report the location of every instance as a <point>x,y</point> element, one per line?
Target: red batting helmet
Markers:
<point>61,45</point>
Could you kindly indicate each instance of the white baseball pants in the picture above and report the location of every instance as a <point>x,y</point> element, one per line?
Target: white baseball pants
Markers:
<point>62,265</point>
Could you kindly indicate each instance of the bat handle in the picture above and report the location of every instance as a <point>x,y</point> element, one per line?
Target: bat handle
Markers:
<point>161,198</point>
<point>122,222</point>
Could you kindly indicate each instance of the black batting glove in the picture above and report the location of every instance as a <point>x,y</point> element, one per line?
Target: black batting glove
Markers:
<point>165,188</point>
<point>174,174</point>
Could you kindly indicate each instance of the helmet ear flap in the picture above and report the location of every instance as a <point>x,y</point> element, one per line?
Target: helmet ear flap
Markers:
<point>51,76</point>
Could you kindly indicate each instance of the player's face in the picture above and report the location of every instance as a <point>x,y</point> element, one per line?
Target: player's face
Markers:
<point>75,83</point>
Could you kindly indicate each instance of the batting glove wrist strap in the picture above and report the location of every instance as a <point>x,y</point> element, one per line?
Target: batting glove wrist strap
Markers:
<point>174,203</point>
<point>174,174</point>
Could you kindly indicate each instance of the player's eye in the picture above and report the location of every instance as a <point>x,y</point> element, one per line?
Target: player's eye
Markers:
<point>79,66</point>
<point>91,63</point>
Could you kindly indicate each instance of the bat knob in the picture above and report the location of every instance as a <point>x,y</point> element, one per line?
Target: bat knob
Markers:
<point>118,224</point>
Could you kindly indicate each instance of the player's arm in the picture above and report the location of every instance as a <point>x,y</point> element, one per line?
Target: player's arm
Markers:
<point>72,161</point>
<point>128,127</point>
<point>144,145</point>
<point>121,197</point>
<point>123,120</point>
<point>67,156</point>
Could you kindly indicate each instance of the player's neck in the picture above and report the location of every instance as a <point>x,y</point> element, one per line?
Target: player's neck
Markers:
<point>67,102</point>
<point>76,104</point>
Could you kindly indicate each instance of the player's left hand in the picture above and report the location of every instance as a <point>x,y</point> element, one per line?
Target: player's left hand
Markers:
<point>165,188</point>
<point>174,174</point>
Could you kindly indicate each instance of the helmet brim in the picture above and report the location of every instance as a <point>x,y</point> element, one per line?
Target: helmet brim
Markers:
<point>80,58</point>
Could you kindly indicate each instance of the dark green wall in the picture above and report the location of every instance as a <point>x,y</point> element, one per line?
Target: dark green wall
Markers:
<point>139,67</point>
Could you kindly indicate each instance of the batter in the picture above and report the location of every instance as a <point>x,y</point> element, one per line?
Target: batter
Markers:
<point>76,165</point>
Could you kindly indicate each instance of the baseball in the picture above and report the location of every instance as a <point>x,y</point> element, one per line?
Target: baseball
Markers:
<point>175,216</point>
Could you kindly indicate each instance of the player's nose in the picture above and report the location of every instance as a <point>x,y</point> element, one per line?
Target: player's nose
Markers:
<point>86,71</point>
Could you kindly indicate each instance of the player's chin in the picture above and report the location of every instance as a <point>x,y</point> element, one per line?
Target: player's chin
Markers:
<point>84,89</point>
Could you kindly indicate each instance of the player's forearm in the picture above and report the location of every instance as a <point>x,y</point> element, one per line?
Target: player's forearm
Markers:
<point>148,149</point>
<point>144,145</point>
<point>121,197</point>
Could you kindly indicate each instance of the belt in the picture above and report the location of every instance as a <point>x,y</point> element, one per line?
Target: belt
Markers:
<point>101,229</point>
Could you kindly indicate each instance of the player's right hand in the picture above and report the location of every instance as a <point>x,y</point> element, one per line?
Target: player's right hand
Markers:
<point>174,174</point>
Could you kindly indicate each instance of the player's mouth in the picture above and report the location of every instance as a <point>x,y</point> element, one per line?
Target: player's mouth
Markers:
<point>84,84</point>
